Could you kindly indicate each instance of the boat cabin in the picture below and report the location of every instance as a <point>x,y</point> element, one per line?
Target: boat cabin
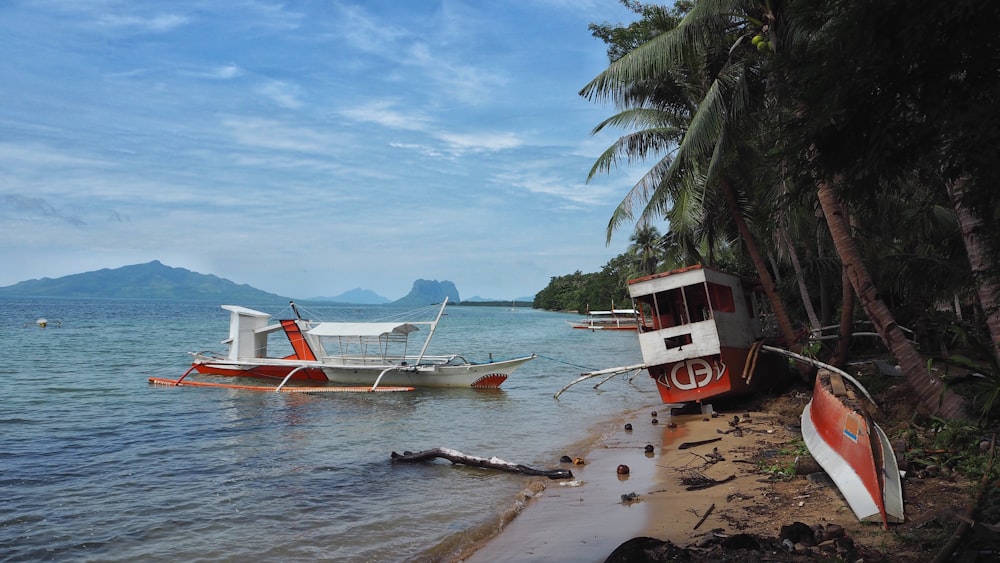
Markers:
<point>696,330</point>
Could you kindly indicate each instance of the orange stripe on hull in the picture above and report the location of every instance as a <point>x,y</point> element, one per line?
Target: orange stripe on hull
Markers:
<point>491,381</point>
<point>279,372</point>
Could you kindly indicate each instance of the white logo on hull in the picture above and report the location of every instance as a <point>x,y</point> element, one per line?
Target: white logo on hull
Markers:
<point>697,372</point>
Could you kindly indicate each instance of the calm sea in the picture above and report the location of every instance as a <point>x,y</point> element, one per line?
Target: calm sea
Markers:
<point>96,464</point>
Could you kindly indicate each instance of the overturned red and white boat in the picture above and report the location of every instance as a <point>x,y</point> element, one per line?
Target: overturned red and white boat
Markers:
<point>852,449</point>
<point>371,354</point>
<point>700,335</point>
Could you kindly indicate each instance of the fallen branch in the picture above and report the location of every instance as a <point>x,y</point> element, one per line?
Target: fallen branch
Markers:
<point>703,518</point>
<point>687,445</point>
<point>459,458</point>
<point>696,481</point>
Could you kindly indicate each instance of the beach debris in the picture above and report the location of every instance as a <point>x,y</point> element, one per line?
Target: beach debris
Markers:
<point>630,498</point>
<point>696,481</point>
<point>565,459</point>
<point>687,445</point>
<point>704,516</point>
<point>623,469</point>
<point>460,458</point>
<point>578,461</point>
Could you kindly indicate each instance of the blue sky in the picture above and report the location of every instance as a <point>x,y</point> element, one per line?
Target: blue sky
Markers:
<point>306,148</point>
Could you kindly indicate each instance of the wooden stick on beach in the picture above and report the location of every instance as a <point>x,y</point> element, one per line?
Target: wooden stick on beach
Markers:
<point>489,463</point>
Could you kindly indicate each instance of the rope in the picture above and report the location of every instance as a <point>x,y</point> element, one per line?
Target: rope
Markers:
<point>565,362</point>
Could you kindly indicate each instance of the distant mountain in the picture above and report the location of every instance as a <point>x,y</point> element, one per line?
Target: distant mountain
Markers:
<point>356,296</point>
<point>427,292</point>
<point>152,280</point>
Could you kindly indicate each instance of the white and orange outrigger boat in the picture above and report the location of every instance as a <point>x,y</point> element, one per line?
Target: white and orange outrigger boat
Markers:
<point>612,319</point>
<point>370,356</point>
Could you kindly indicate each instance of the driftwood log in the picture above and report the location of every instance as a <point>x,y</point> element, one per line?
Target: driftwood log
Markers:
<point>459,458</point>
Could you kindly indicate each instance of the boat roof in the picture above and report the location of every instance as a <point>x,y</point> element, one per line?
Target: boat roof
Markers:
<point>361,329</point>
<point>615,312</point>
<point>244,311</point>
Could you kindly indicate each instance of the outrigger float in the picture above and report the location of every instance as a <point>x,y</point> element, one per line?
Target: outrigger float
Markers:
<point>367,356</point>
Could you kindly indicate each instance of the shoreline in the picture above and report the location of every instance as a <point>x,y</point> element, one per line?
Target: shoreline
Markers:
<point>588,518</point>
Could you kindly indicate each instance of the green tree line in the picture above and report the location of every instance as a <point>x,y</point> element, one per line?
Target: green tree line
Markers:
<point>841,151</point>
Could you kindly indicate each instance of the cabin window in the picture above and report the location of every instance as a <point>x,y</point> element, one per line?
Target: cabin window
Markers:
<point>677,341</point>
<point>697,302</point>
<point>722,297</point>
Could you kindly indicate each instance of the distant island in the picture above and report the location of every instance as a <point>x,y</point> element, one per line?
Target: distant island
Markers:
<point>155,280</point>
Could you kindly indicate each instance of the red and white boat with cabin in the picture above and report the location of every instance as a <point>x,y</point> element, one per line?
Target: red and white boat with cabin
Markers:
<point>366,354</point>
<point>700,335</point>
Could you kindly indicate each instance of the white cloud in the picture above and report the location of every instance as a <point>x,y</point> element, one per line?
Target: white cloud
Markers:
<point>282,94</point>
<point>158,23</point>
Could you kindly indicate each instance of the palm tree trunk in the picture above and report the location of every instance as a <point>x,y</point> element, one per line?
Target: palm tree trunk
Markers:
<point>770,289</point>
<point>978,250</point>
<point>803,289</point>
<point>846,321</point>
<point>930,390</point>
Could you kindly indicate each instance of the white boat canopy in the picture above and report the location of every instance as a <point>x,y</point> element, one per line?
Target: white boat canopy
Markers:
<point>361,329</point>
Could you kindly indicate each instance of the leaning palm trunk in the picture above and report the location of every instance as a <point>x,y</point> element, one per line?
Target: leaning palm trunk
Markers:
<point>930,390</point>
<point>793,256</point>
<point>846,321</point>
<point>978,251</point>
<point>770,289</point>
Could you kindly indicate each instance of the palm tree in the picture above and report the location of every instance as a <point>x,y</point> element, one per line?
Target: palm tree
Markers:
<point>646,248</point>
<point>685,84</point>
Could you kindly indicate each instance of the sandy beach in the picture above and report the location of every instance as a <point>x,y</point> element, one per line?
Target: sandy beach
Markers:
<point>587,519</point>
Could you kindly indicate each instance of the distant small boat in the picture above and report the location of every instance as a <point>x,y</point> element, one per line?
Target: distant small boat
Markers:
<point>348,353</point>
<point>614,319</point>
<point>42,322</point>
<point>852,449</point>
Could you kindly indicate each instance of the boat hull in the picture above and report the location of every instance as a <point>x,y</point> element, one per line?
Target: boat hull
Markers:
<point>487,375</point>
<point>731,373</point>
<point>853,451</point>
<point>479,376</point>
<point>256,370</point>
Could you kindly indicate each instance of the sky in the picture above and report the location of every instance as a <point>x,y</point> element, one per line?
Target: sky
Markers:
<point>307,148</point>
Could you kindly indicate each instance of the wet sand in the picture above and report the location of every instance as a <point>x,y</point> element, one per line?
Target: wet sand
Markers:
<point>586,519</point>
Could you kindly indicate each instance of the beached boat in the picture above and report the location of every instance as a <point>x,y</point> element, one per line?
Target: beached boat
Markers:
<point>852,449</point>
<point>349,353</point>
<point>700,335</point>
<point>614,319</point>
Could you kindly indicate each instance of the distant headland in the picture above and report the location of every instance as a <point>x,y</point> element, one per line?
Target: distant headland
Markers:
<point>155,280</point>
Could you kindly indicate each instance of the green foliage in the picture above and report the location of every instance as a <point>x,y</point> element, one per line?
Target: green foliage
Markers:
<point>981,368</point>
<point>780,464</point>
<point>950,445</point>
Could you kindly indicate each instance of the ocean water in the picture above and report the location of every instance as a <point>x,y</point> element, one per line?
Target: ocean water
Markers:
<point>96,464</point>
